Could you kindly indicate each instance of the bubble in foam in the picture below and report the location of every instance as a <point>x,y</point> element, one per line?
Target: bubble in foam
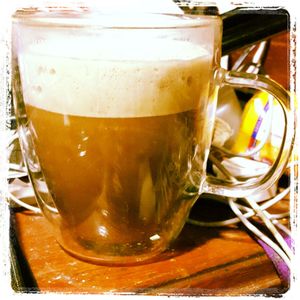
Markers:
<point>52,71</point>
<point>109,81</point>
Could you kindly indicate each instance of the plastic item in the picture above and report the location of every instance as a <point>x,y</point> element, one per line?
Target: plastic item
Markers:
<point>244,168</point>
<point>262,122</point>
<point>230,111</point>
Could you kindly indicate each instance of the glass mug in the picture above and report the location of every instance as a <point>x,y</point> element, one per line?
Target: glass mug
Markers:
<point>115,116</point>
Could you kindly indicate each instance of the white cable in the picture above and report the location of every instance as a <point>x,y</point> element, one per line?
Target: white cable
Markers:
<point>16,171</point>
<point>282,227</point>
<point>275,199</point>
<point>278,216</point>
<point>23,204</point>
<point>14,175</point>
<point>248,214</point>
<point>274,219</point>
<point>13,137</point>
<point>259,234</point>
<point>16,167</point>
<point>271,227</point>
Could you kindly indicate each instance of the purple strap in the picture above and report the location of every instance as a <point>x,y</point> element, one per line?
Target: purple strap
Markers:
<point>281,267</point>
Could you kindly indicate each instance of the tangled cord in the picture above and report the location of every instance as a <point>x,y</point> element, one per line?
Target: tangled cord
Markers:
<point>18,189</point>
<point>250,208</point>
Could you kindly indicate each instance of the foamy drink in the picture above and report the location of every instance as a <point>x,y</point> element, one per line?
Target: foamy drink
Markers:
<point>118,137</point>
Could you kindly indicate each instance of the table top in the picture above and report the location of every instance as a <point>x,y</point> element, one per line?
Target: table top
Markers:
<point>202,261</point>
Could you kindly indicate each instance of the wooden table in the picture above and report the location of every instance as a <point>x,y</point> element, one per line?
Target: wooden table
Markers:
<point>203,261</point>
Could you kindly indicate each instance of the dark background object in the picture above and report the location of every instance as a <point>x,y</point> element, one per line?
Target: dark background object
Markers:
<point>22,279</point>
<point>245,26</point>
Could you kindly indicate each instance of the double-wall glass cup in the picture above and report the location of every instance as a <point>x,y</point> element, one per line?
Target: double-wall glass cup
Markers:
<point>115,117</point>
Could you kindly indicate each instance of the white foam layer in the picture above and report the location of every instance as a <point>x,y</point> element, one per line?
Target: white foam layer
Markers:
<point>137,80</point>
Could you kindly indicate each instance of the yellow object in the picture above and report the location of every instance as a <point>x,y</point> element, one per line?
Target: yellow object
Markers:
<point>262,122</point>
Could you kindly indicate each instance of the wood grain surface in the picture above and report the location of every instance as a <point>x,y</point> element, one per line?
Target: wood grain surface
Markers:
<point>202,261</point>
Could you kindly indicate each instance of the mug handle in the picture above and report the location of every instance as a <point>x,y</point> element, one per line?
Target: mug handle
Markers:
<point>241,189</point>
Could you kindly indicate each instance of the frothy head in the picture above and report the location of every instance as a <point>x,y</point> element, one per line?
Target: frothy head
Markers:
<point>98,79</point>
